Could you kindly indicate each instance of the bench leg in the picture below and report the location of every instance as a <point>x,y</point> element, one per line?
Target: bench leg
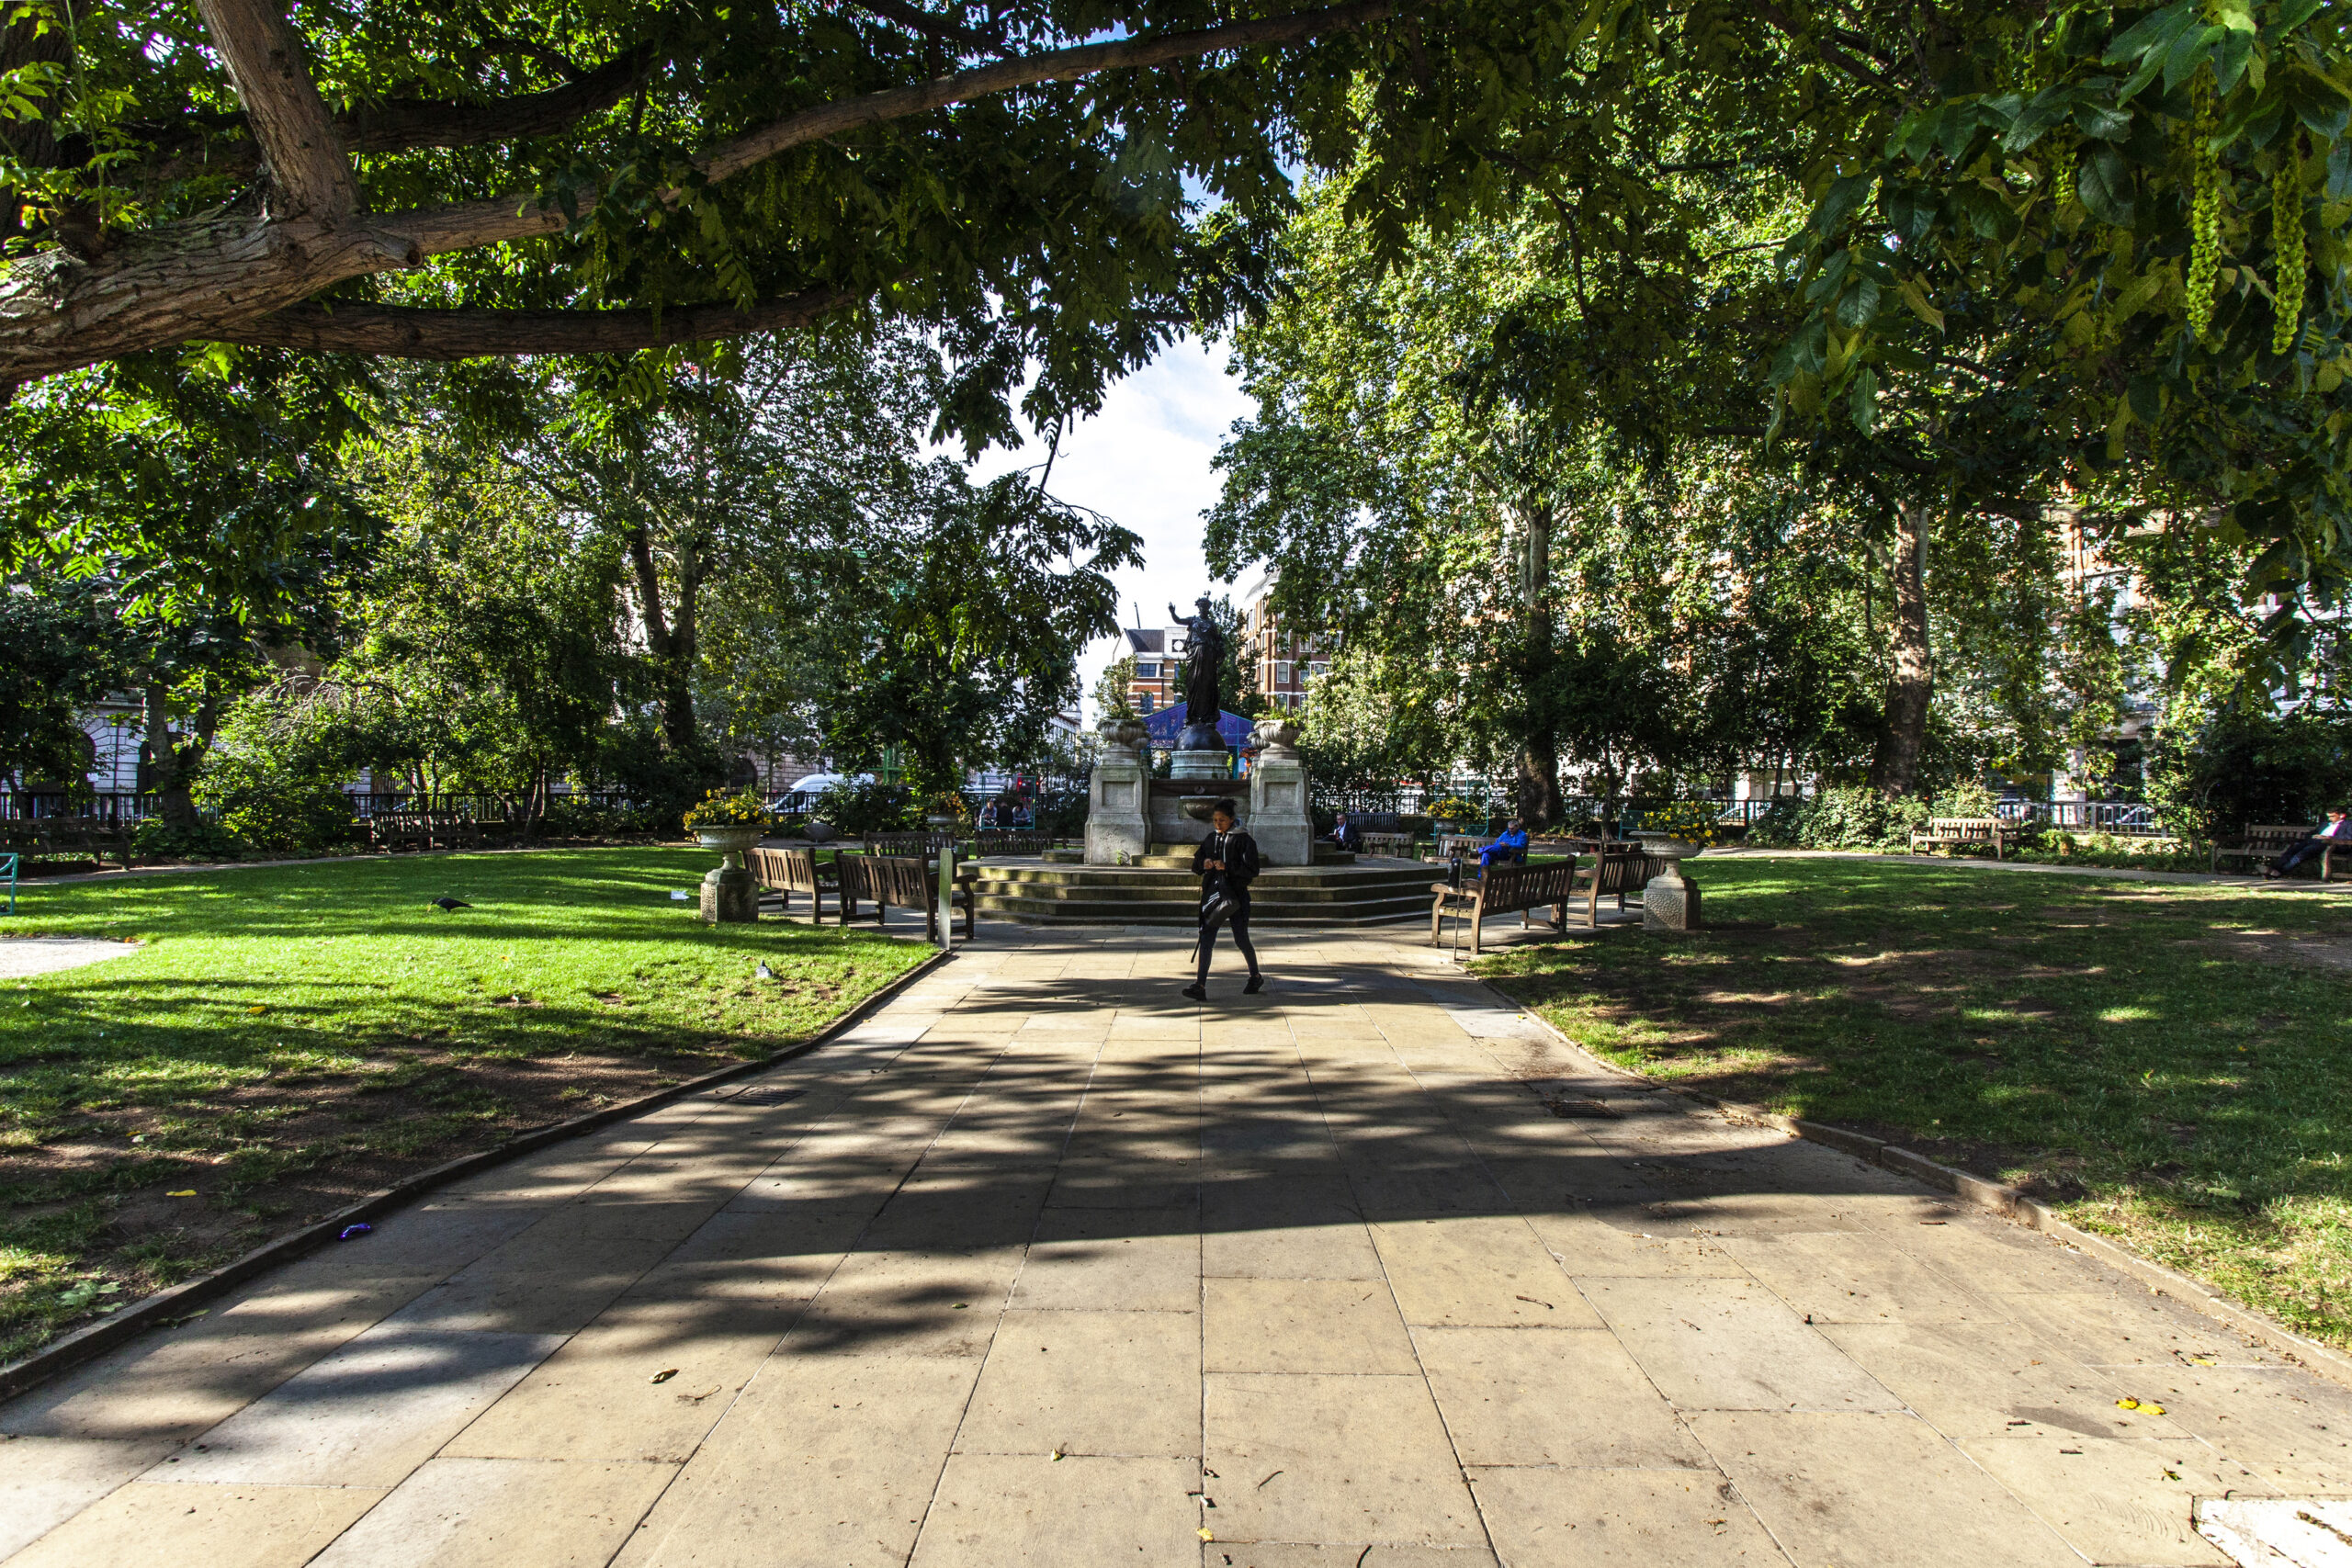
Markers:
<point>1437,918</point>
<point>1477,918</point>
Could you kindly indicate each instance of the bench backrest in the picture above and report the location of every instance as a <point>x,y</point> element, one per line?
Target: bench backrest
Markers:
<point>1398,845</point>
<point>1505,887</point>
<point>908,843</point>
<point>1620,867</point>
<point>2279,832</point>
<point>901,881</point>
<point>1985,825</point>
<point>792,871</point>
<point>1013,843</point>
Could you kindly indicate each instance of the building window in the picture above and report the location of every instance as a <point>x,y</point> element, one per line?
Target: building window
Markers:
<point>1318,669</point>
<point>1143,704</point>
<point>1281,674</point>
<point>1147,671</point>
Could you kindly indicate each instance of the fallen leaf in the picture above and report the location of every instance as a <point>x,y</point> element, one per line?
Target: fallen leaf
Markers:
<point>256,1010</point>
<point>1055,1455</point>
<point>187,1193</point>
<point>2127,1404</point>
<point>1207,1534</point>
<point>664,1375</point>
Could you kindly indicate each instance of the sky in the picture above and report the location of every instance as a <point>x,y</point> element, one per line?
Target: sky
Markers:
<point>1144,463</point>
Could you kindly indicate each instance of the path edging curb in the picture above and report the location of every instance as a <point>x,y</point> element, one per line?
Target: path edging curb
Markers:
<point>167,1306</point>
<point>1998,1198</point>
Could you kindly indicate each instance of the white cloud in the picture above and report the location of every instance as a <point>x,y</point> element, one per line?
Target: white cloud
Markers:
<point>1143,462</point>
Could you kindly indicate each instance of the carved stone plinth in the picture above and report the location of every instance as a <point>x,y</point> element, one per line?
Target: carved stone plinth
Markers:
<point>730,895</point>
<point>1118,797</point>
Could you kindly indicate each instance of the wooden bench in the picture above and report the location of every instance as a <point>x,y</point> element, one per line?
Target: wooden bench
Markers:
<point>904,882</point>
<point>1502,889</point>
<point>1952,831</point>
<point>38,837</point>
<point>1006,841</point>
<point>2264,842</point>
<point>910,844</point>
<point>1619,867</point>
<point>788,871</point>
<point>1393,846</point>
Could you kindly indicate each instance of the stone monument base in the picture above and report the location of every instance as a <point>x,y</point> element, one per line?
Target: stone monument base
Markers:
<point>1671,901</point>
<point>730,895</point>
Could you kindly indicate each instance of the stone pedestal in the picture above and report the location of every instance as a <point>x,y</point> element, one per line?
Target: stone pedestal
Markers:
<point>1118,797</point>
<point>1670,899</point>
<point>1216,766</point>
<point>729,894</point>
<point>1279,819</point>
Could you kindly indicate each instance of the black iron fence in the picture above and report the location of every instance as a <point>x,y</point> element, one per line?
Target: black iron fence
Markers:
<point>127,806</point>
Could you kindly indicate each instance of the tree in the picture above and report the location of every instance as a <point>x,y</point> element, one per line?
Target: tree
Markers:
<point>202,520</point>
<point>54,662</point>
<point>462,180</point>
<point>1113,689</point>
<point>954,638</point>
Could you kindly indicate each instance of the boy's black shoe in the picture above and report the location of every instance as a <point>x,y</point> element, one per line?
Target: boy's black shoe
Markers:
<point>1197,992</point>
<point>1257,983</point>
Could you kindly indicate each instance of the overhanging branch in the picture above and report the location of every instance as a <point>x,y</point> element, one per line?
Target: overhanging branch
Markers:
<point>402,333</point>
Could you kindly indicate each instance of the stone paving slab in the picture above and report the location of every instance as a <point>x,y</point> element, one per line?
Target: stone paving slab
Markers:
<point>1044,1266</point>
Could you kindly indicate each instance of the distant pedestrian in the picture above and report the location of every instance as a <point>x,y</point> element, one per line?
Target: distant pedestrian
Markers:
<point>1226,862</point>
<point>2337,830</point>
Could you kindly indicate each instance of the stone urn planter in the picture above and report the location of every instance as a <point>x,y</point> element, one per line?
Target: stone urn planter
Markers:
<point>1670,899</point>
<point>942,824</point>
<point>729,892</point>
<point>1121,737</point>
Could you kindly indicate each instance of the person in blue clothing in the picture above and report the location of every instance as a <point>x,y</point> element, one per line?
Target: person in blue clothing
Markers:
<point>1509,847</point>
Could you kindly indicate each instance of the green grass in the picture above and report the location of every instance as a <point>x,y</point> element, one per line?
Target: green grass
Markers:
<point>2168,1065</point>
<point>285,1040</point>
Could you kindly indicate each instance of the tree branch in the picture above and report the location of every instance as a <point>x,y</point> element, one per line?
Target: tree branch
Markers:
<point>402,333</point>
<point>290,120</point>
<point>204,278</point>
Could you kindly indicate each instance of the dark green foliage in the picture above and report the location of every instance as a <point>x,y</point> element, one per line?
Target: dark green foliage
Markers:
<point>2243,768</point>
<point>857,809</point>
<point>54,659</point>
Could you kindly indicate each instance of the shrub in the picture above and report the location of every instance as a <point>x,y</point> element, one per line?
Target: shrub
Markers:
<point>1971,798</point>
<point>2240,769</point>
<point>155,838</point>
<point>857,809</point>
<point>1693,820</point>
<point>1849,817</point>
<point>723,808</point>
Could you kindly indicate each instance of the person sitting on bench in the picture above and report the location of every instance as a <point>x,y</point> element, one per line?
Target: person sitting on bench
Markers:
<point>1347,835</point>
<point>2337,827</point>
<point>1509,847</point>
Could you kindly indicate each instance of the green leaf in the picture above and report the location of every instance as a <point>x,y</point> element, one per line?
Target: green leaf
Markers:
<point>2147,398</point>
<point>1910,210</point>
<point>1861,400</point>
<point>2319,103</point>
<point>2152,31</point>
<point>1858,306</point>
<point>2098,120</point>
<point>2188,51</point>
<point>2104,185</point>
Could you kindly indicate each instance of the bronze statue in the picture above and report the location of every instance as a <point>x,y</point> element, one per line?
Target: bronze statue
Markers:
<point>1203,657</point>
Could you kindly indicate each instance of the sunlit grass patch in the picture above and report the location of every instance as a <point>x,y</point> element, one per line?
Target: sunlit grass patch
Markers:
<point>2165,1065</point>
<point>284,1039</point>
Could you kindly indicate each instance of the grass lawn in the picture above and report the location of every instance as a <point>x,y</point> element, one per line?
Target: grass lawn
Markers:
<point>2170,1066</point>
<point>286,1040</point>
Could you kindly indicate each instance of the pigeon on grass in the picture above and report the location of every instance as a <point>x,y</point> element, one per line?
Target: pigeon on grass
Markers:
<point>447,905</point>
<point>764,972</point>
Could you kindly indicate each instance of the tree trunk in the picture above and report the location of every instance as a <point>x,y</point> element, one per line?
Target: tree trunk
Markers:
<point>1911,672</point>
<point>1539,750</point>
<point>672,643</point>
<point>172,764</point>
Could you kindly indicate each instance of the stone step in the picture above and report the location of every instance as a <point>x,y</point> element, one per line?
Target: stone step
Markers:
<point>1276,883</point>
<point>1155,912</point>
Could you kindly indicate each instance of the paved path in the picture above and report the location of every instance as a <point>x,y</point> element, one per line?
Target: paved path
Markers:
<point>1043,1266</point>
<point>24,956</point>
